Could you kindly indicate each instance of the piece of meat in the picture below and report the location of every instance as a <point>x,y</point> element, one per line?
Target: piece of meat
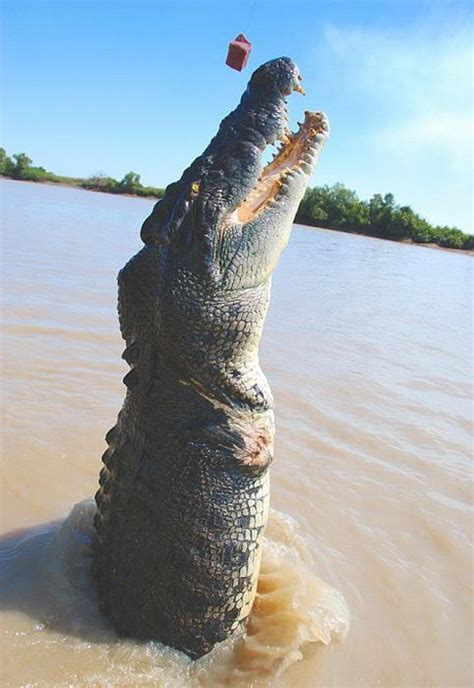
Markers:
<point>238,53</point>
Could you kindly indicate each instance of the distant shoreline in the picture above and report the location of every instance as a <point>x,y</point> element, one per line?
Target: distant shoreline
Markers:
<point>407,242</point>
<point>67,185</point>
<point>298,220</point>
<point>90,185</point>
<point>331,207</point>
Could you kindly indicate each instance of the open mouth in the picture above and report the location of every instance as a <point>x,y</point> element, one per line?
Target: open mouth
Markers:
<point>295,156</point>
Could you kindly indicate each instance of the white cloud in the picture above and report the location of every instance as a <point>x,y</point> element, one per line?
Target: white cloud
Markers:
<point>448,134</point>
<point>411,92</point>
<point>420,70</point>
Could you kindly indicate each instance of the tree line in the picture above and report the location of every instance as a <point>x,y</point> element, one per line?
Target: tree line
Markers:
<point>333,207</point>
<point>20,166</point>
<point>337,207</point>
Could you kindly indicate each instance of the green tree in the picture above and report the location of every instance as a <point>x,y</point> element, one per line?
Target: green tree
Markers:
<point>468,242</point>
<point>380,214</point>
<point>3,159</point>
<point>449,237</point>
<point>344,209</point>
<point>130,183</point>
<point>22,165</point>
<point>6,163</point>
<point>337,207</point>
<point>100,182</point>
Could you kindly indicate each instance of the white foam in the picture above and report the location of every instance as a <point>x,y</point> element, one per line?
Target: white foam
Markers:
<point>48,578</point>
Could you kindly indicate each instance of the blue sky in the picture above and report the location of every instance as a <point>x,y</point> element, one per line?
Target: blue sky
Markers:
<point>116,86</point>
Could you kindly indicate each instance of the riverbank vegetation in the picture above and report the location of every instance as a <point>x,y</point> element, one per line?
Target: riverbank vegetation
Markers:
<point>332,207</point>
<point>337,207</point>
<point>20,166</point>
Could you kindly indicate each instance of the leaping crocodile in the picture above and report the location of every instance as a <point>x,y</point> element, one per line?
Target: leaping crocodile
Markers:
<point>183,498</point>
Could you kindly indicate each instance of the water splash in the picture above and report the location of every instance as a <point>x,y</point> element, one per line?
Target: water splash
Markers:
<point>45,575</point>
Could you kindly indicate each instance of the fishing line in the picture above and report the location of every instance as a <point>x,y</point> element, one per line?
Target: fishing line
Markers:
<point>251,15</point>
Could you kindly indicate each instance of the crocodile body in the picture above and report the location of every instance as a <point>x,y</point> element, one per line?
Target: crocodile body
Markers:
<point>184,490</point>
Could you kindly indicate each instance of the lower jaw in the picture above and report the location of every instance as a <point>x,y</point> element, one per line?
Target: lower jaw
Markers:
<point>295,157</point>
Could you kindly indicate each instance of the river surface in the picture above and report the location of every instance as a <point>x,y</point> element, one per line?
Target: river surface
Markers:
<point>367,572</point>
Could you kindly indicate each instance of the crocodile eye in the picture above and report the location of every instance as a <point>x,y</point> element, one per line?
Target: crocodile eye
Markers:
<point>195,186</point>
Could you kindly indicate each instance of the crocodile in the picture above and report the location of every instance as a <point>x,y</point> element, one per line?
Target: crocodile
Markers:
<point>184,490</point>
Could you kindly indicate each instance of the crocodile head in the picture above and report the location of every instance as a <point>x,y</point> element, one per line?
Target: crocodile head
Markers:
<point>230,214</point>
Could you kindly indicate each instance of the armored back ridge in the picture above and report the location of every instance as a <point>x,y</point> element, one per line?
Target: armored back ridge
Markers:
<point>183,498</point>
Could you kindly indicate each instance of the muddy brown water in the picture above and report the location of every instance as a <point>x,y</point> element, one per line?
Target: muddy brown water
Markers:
<point>367,572</point>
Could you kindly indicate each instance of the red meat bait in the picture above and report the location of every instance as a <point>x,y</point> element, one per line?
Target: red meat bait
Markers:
<point>238,53</point>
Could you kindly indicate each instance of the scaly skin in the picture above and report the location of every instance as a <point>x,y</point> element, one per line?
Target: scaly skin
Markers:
<point>184,491</point>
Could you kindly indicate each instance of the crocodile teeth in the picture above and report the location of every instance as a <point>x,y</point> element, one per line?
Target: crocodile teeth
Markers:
<point>284,136</point>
